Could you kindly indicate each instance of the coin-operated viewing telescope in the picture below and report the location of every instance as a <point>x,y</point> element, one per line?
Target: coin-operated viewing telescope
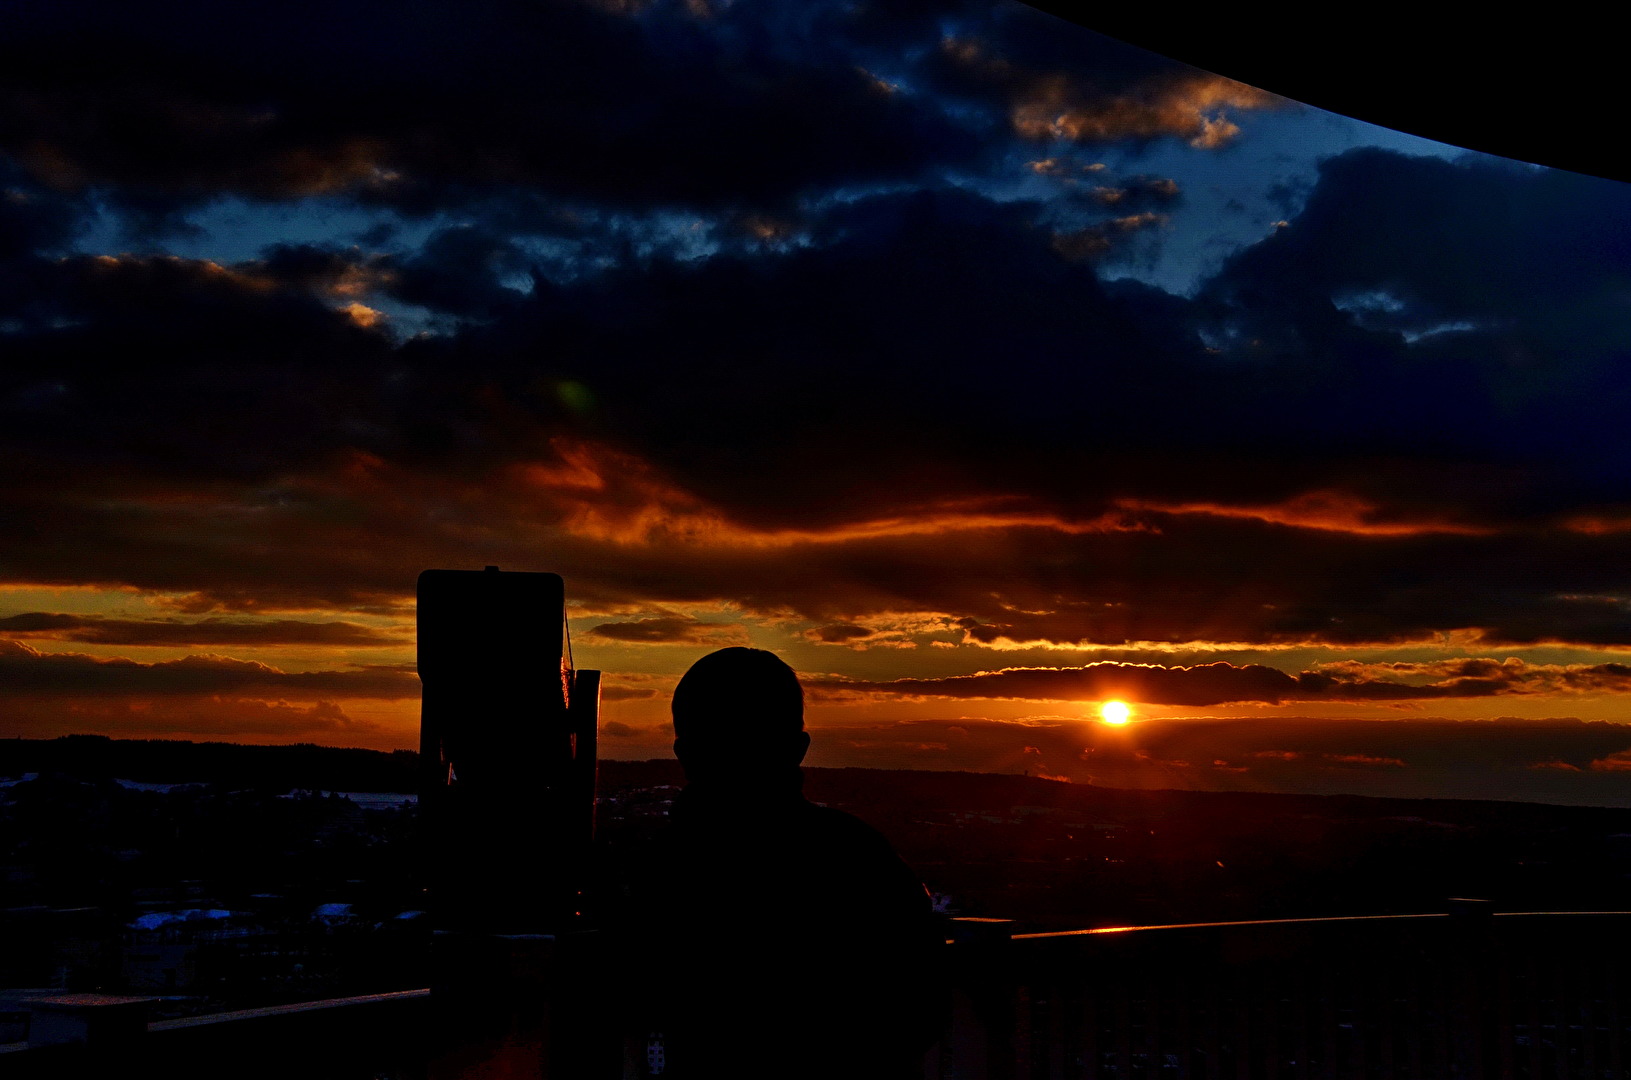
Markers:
<point>507,753</point>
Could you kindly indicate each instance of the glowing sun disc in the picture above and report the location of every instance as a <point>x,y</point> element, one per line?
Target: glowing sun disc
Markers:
<point>1115,712</point>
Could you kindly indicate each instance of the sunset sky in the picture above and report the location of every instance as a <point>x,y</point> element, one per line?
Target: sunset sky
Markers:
<point>984,368</point>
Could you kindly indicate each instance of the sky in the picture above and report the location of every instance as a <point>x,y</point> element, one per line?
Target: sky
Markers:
<point>984,368</point>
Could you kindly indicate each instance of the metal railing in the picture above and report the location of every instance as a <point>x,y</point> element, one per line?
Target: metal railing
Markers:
<point>1461,996</point>
<point>356,1038</point>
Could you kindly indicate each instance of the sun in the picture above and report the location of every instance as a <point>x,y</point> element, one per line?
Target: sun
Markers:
<point>1115,712</point>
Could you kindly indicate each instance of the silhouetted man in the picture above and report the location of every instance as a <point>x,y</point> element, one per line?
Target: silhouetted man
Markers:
<point>800,945</point>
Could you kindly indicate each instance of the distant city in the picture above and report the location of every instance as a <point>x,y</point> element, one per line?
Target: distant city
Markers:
<point>223,876</point>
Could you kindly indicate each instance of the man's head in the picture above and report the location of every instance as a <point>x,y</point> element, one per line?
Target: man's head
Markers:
<point>738,716</point>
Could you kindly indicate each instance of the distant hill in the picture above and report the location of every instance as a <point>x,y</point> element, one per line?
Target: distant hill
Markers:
<point>174,761</point>
<point>304,765</point>
<point>908,789</point>
<point>1050,854</point>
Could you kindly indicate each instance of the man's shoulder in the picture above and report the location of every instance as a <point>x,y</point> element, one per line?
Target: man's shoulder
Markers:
<point>839,827</point>
<point>839,821</point>
<point>869,859</point>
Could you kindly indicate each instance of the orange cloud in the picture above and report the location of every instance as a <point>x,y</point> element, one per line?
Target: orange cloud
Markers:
<point>1599,524</point>
<point>340,280</point>
<point>1057,167</point>
<point>205,272</point>
<point>1055,105</point>
<point>608,495</point>
<point>1475,676</point>
<point>1097,240</point>
<point>1328,511</point>
<point>1192,108</point>
<point>363,315</point>
<point>1619,761</point>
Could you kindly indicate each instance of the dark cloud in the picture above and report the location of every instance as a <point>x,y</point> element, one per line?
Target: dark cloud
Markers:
<point>897,297</point>
<point>104,630</point>
<point>36,218</point>
<point>1480,675</point>
<point>625,693</point>
<point>840,633</point>
<point>1479,240</point>
<point>434,109</point>
<point>193,718</point>
<point>898,292</point>
<point>1221,683</point>
<point>1207,684</point>
<point>462,270</point>
<point>670,629</point>
<point>174,369</point>
<point>1466,309</point>
<point>320,271</point>
<point>27,672</point>
<point>731,112</point>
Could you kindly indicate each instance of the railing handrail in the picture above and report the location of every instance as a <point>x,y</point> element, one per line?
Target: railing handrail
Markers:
<point>295,1008</point>
<point>1307,920</point>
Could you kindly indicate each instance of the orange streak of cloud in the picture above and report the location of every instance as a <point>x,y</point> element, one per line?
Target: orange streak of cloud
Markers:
<point>639,507</point>
<point>1327,511</point>
<point>1598,525</point>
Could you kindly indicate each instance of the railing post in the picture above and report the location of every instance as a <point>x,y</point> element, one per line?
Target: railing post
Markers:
<point>100,1021</point>
<point>1469,1019</point>
<point>81,1036</point>
<point>981,1041</point>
